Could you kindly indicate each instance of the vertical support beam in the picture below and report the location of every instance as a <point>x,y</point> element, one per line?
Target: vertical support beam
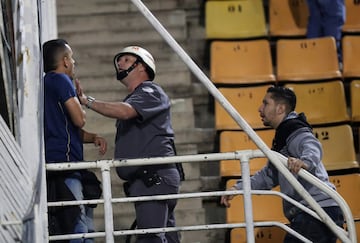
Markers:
<point>109,221</point>
<point>248,210</point>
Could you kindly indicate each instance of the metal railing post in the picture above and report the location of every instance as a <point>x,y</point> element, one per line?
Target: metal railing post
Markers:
<point>248,210</point>
<point>108,211</point>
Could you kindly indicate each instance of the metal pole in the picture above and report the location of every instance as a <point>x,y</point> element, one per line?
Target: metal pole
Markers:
<point>235,115</point>
<point>248,210</point>
<point>108,211</point>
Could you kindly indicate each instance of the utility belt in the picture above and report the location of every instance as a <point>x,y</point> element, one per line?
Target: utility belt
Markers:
<point>148,175</point>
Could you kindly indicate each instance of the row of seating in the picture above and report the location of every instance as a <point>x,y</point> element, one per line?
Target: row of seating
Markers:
<point>337,142</point>
<point>323,103</point>
<point>271,234</point>
<point>244,69</point>
<point>234,19</point>
<point>345,186</point>
<point>297,60</point>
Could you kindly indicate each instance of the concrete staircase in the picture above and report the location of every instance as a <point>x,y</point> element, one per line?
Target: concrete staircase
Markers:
<point>97,30</point>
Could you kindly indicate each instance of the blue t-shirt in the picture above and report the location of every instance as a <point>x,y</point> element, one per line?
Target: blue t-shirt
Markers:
<point>62,138</point>
<point>148,135</point>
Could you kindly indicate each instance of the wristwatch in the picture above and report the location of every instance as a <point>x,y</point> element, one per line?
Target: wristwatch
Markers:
<point>90,100</point>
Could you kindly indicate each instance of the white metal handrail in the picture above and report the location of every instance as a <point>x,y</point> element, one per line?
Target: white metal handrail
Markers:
<point>105,166</point>
<point>219,97</point>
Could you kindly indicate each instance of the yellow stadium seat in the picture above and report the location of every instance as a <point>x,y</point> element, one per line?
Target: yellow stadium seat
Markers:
<point>307,59</point>
<point>357,227</point>
<point>348,186</point>
<point>246,100</point>
<point>234,19</point>
<point>271,234</point>
<point>352,22</point>
<point>265,207</point>
<point>322,102</point>
<point>288,18</point>
<point>351,52</point>
<point>355,100</point>
<point>239,140</point>
<point>338,147</point>
<point>241,62</point>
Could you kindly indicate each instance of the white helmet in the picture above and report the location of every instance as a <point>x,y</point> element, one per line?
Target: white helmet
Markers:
<point>142,54</point>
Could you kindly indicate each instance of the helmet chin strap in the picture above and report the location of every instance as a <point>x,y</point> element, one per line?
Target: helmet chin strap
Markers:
<point>123,74</point>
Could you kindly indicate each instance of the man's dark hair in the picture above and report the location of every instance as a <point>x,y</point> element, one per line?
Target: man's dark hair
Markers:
<point>283,95</point>
<point>52,50</point>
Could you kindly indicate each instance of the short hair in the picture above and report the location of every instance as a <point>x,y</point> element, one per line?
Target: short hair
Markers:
<point>52,50</point>
<point>283,95</point>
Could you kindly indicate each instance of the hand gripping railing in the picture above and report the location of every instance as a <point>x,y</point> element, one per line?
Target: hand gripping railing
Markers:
<point>243,156</point>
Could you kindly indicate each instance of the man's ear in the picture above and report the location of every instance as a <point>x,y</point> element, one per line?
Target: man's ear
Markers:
<point>65,61</point>
<point>280,108</point>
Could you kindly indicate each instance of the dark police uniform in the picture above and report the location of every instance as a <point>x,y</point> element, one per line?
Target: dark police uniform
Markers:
<point>150,134</point>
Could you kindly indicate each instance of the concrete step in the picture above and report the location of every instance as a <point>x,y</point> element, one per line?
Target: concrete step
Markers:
<point>123,22</point>
<point>94,7</point>
<point>112,37</point>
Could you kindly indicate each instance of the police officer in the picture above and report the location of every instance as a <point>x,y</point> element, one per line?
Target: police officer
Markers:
<point>143,130</point>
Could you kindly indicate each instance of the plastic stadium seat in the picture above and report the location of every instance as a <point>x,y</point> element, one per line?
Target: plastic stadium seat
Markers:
<point>322,102</point>
<point>355,100</point>
<point>348,186</point>
<point>246,100</point>
<point>351,52</point>
<point>338,147</point>
<point>234,19</point>
<point>241,62</point>
<point>262,235</point>
<point>288,18</point>
<point>238,140</point>
<point>357,227</point>
<point>307,59</point>
<point>265,208</point>
<point>352,22</point>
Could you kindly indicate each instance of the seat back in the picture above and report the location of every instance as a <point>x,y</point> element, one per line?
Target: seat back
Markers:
<point>234,19</point>
<point>241,62</point>
<point>288,18</point>
<point>239,140</point>
<point>269,234</point>
<point>322,102</point>
<point>246,100</point>
<point>348,186</point>
<point>351,53</point>
<point>338,147</point>
<point>265,207</point>
<point>355,100</point>
<point>352,22</point>
<point>307,59</point>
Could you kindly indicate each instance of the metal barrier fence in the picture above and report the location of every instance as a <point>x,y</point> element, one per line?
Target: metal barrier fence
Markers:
<point>243,156</point>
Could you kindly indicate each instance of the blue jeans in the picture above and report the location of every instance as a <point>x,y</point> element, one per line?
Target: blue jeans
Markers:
<point>84,222</point>
<point>313,229</point>
<point>326,18</point>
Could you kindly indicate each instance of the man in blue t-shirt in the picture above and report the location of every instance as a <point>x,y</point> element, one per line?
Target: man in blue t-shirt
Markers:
<point>64,119</point>
<point>143,130</point>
